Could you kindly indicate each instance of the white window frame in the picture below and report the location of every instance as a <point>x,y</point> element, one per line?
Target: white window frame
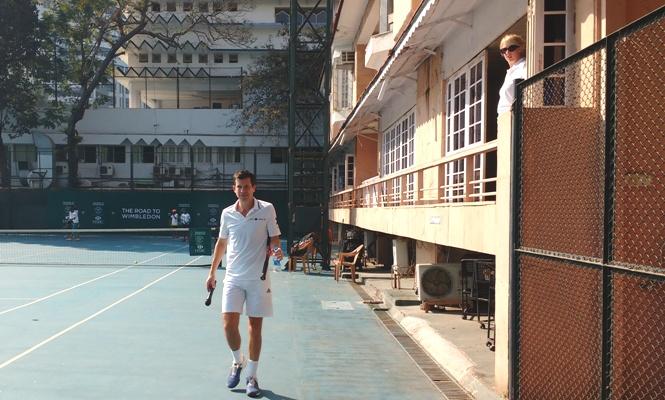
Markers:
<point>455,187</point>
<point>349,170</point>
<point>398,144</point>
<point>460,135</point>
<point>537,34</point>
<point>343,86</point>
<point>333,181</point>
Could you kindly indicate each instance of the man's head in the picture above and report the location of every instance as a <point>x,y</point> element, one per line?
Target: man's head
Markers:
<point>244,184</point>
<point>244,174</point>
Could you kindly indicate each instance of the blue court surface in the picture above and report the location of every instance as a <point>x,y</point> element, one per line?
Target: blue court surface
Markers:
<point>141,331</point>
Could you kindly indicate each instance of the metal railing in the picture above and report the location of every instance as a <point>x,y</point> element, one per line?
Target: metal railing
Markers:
<point>428,184</point>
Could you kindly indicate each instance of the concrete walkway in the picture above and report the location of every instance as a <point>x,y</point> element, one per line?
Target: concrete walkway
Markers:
<point>457,345</point>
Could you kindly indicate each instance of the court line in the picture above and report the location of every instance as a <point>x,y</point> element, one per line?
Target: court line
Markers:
<point>83,283</point>
<point>83,321</point>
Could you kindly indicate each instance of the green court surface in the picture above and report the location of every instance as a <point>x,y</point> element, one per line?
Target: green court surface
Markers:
<point>142,332</point>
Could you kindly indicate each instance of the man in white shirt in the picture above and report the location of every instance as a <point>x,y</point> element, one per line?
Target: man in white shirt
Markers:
<point>244,230</point>
<point>73,218</point>
<point>185,219</point>
<point>513,49</point>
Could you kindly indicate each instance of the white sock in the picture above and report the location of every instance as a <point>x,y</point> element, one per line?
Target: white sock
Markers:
<point>237,356</point>
<point>252,366</point>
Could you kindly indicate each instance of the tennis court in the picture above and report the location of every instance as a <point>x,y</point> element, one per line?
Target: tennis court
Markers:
<point>113,317</point>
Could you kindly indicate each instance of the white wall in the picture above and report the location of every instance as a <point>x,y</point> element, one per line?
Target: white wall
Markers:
<point>488,21</point>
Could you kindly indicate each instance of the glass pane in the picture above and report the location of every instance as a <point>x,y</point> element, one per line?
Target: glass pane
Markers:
<point>555,5</point>
<point>554,54</point>
<point>555,28</point>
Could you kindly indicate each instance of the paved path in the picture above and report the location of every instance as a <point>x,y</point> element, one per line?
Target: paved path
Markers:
<point>143,333</point>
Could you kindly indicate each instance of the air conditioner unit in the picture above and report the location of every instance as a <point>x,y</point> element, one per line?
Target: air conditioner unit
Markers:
<point>106,170</point>
<point>440,283</point>
<point>347,57</point>
<point>62,169</point>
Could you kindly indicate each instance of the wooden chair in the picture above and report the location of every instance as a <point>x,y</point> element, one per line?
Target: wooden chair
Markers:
<point>348,259</point>
<point>310,250</point>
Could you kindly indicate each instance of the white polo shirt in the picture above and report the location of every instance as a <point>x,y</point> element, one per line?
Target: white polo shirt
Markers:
<point>247,239</point>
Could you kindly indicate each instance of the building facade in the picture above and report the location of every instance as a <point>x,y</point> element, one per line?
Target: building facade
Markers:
<point>169,117</point>
<point>420,160</point>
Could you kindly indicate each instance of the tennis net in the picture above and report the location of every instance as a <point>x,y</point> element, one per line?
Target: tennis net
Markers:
<point>146,247</point>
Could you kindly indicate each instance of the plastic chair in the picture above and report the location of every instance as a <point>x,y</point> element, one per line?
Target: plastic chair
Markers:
<point>348,259</point>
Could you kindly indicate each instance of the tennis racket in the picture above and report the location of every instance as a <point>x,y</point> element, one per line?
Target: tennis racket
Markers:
<point>209,298</point>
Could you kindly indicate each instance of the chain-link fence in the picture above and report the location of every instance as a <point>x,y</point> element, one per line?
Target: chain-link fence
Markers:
<point>589,237</point>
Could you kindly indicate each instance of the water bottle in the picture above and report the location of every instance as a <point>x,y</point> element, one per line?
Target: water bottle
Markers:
<point>275,262</point>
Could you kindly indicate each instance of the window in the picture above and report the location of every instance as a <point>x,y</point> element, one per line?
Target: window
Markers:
<point>216,6</point>
<point>203,58</point>
<point>203,6</point>
<point>281,16</point>
<point>231,155</point>
<point>455,189</point>
<point>60,152</point>
<point>143,154</point>
<point>231,5</point>
<point>316,16</point>
<point>233,58</point>
<point>172,58</point>
<point>554,49</point>
<point>156,7</point>
<point>143,58</point>
<point>25,153</point>
<point>465,107</point>
<point>343,86</point>
<point>170,6</point>
<point>278,155</point>
<point>187,58</point>
<point>348,168</point>
<point>390,7</point>
<point>187,6</point>
<point>202,154</point>
<point>113,154</point>
<point>156,58</point>
<point>172,154</point>
<point>87,154</point>
<point>219,58</point>
<point>398,145</point>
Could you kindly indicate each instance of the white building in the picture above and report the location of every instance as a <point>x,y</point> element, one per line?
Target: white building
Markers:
<point>169,116</point>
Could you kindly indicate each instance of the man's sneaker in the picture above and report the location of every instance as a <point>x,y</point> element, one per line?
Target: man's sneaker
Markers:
<point>252,389</point>
<point>234,376</point>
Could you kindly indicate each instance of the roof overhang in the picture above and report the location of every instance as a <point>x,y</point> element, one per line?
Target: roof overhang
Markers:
<point>430,25</point>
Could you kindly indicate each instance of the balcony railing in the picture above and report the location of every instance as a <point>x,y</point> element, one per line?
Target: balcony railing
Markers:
<point>429,184</point>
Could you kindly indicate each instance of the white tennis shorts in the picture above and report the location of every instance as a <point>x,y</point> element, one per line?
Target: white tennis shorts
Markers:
<point>256,294</point>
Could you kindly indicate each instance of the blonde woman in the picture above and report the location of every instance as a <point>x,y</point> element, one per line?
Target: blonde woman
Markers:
<point>513,50</point>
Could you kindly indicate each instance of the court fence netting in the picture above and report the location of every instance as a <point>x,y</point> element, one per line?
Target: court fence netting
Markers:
<point>168,247</point>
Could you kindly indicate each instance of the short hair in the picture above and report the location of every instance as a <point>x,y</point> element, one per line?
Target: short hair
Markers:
<point>244,174</point>
<point>512,38</point>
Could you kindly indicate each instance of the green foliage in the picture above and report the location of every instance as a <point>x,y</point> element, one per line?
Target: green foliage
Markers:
<point>266,87</point>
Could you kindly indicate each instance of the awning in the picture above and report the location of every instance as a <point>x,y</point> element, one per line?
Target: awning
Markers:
<point>433,21</point>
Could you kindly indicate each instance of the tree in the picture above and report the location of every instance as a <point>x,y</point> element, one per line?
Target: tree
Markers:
<point>266,86</point>
<point>21,68</point>
<point>91,33</point>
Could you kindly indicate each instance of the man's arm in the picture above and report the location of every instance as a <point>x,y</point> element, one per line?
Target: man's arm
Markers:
<point>220,248</point>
